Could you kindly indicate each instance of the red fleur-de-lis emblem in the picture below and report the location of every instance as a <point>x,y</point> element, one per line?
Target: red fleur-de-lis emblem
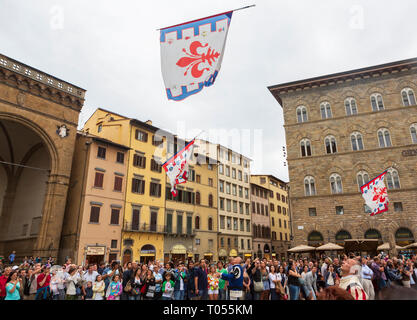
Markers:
<point>379,194</point>
<point>194,59</point>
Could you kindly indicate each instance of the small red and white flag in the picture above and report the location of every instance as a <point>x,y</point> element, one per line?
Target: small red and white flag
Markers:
<point>375,195</point>
<point>177,167</point>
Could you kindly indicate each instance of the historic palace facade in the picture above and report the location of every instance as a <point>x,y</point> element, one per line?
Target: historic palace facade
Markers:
<point>343,130</point>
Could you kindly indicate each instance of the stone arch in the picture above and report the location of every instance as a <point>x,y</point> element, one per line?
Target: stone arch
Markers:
<point>405,84</point>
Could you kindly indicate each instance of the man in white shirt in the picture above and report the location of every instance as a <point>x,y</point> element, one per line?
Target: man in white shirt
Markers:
<point>351,270</point>
<point>324,266</point>
<point>367,275</point>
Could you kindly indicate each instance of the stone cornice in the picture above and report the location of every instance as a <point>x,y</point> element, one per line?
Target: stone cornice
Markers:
<point>41,84</point>
<point>342,77</point>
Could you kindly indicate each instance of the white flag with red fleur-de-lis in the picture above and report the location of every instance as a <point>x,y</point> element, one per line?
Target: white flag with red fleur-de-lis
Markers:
<point>375,194</point>
<point>192,53</point>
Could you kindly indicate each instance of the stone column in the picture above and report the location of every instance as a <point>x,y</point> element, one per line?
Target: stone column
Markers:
<point>49,236</point>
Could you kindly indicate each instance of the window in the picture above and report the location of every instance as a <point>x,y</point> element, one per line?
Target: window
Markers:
<point>210,200</point>
<point>229,205</point>
<point>357,142</point>
<point>227,188</point>
<point>336,183</point>
<point>284,211</point>
<point>229,223</point>
<point>198,178</point>
<point>241,191</point>
<point>155,166</point>
<point>221,186</point>
<point>278,196</point>
<point>235,206</point>
<point>113,244</point>
<point>157,141</point>
<point>234,191</point>
<point>241,207</point>
<point>242,225</point>
<point>246,193</point>
<point>242,243</point>
<point>253,207</point>
<point>115,213</point>
<point>339,210</point>
<point>398,206</point>
<point>141,136</point>
<point>221,242</point>
<point>393,180</point>
<point>100,127</point>
<point>413,131</point>
<point>258,210</point>
<point>139,161</point>
<point>301,114</point>
<point>233,158</point>
<point>309,188</point>
<point>312,212</point>
<point>239,175</point>
<point>330,143</point>
<point>409,99</point>
<point>247,225</point>
<point>221,222</point>
<point>247,208</point>
<point>228,171</point>
<point>197,197</point>
<point>325,110</point>
<point>192,176</point>
<point>120,158</point>
<point>210,182</point>
<point>95,214</point>
<point>179,223</point>
<point>221,168</point>
<point>234,173</point>
<point>101,153</point>
<point>280,223</point>
<point>197,242</point>
<point>98,180</point>
<point>271,207</point>
<point>189,224</point>
<point>384,138</point>
<point>135,218</point>
<point>118,182</point>
<point>279,209</point>
<point>363,178</point>
<point>155,190</point>
<point>169,223</point>
<point>246,177</point>
<point>210,224</point>
<point>235,224</point>
<point>235,242</point>
<point>221,203</point>
<point>305,148</point>
<point>138,186</point>
<point>377,102</point>
<point>351,108</point>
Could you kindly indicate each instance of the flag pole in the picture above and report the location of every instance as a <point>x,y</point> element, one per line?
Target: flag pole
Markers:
<point>247,7</point>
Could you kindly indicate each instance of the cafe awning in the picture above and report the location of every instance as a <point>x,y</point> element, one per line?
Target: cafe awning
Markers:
<point>301,248</point>
<point>330,247</point>
<point>233,253</point>
<point>209,254</point>
<point>386,246</point>
<point>222,253</point>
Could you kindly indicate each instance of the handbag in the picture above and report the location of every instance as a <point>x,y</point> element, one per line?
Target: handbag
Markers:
<point>151,292</point>
<point>258,286</point>
<point>128,287</point>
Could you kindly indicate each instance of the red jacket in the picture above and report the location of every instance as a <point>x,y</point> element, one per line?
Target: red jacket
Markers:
<point>40,279</point>
<point>3,280</point>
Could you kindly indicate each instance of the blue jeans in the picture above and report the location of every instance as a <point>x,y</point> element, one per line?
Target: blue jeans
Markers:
<point>294,292</point>
<point>222,294</point>
<point>165,298</point>
<point>133,298</point>
<point>382,284</point>
<point>179,295</point>
<point>274,295</point>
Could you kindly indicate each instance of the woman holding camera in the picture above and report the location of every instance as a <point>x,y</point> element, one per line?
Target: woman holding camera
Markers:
<point>13,287</point>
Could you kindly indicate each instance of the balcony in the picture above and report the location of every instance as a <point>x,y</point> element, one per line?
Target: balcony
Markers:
<point>144,227</point>
<point>173,233</point>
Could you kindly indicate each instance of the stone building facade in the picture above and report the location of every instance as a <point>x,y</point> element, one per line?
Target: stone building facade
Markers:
<point>38,126</point>
<point>343,130</point>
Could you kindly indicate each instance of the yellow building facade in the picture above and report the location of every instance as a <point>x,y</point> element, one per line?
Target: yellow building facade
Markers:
<point>144,219</point>
<point>278,212</point>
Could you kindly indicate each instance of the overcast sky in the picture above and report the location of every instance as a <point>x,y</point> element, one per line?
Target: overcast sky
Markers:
<point>111,49</point>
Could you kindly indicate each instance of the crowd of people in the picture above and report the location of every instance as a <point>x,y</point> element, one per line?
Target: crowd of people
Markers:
<point>347,277</point>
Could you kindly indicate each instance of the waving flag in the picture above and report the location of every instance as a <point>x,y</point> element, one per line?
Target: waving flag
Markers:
<point>177,167</point>
<point>375,195</point>
<point>192,53</point>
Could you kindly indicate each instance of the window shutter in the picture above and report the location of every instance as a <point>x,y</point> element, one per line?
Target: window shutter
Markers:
<point>159,190</point>
<point>142,186</point>
<point>95,214</point>
<point>114,216</point>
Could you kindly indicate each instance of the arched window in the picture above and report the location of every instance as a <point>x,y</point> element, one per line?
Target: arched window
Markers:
<point>263,232</point>
<point>342,235</point>
<point>357,141</point>
<point>325,110</point>
<point>305,148</point>
<point>404,237</point>
<point>393,180</point>
<point>373,234</point>
<point>197,222</point>
<point>377,102</point>
<point>336,183</point>
<point>413,131</point>
<point>255,231</point>
<point>210,223</point>
<point>197,197</point>
<point>309,186</point>
<point>384,138</point>
<point>351,107</point>
<point>363,178</point>
<point>409,99</point>
<point>301,114</point>
<point>315,239</point>
<point>330,143</point>
<point>210,200</point>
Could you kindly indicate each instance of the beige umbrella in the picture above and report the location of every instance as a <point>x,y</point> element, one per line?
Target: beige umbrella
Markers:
<point>302,248</point>
<point>329,247</point>
<point>386,246</point>
<point>412,246</point>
